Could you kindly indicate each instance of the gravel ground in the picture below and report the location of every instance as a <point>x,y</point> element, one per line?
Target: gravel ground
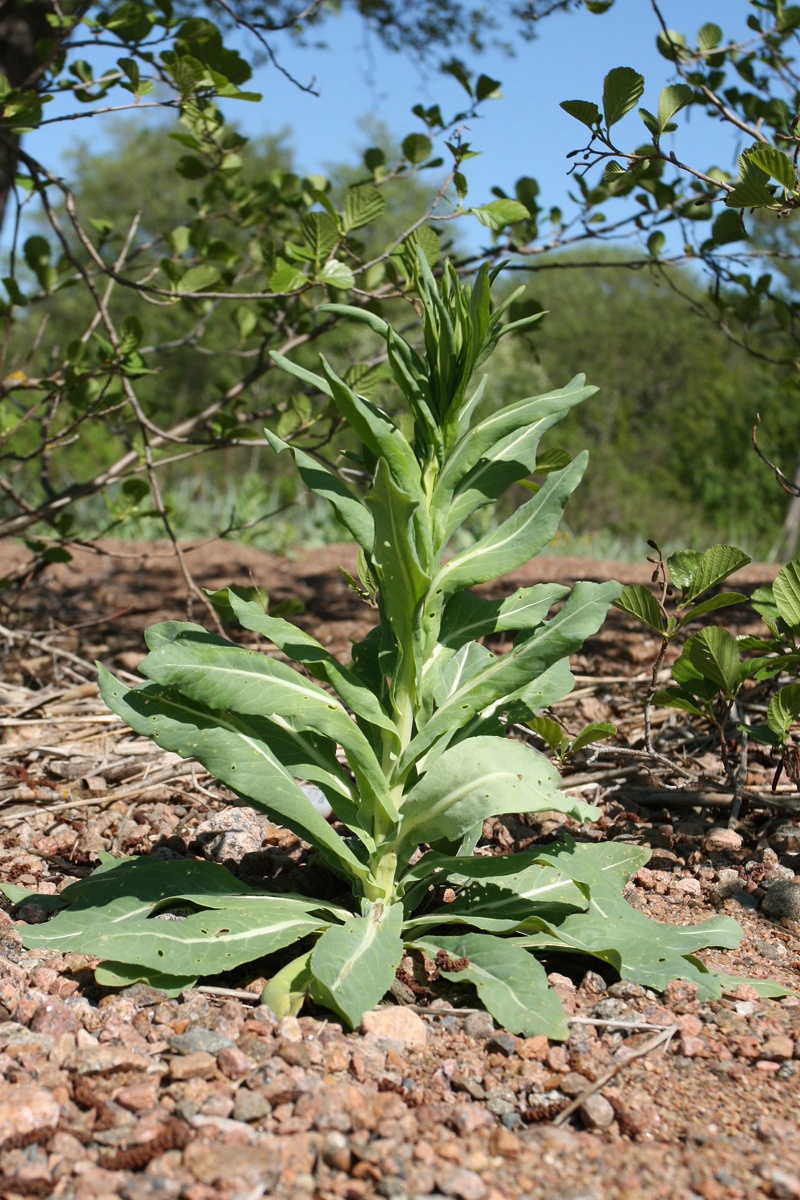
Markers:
<point>138,1096</point>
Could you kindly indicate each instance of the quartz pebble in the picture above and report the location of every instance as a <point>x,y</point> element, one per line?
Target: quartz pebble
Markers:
<point>397,1024</point>
<point>596,1112</point>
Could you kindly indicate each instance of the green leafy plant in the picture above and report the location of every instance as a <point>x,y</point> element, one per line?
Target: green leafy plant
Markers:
<point>422,715</point>
<point>713,669</point>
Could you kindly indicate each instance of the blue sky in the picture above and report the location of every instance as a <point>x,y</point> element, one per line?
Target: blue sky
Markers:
<point>524,133</point>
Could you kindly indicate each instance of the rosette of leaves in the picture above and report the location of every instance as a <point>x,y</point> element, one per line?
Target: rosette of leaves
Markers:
<point>422,715</point>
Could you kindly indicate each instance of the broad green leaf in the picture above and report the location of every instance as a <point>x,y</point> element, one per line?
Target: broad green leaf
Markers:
<point>229,679</point>
<point>396,554</point>
<point>551,733</point>
<point>20,896</point>
<point>786,594</point>
<point>640,602</point>
<point>353,515</point>
<point>768,989</point>
<point>714,653</point>
<point>120,975</point>
<point>583,110</point>
<point>363,204</point>
<point>321,234</point>
<point>236,752</point>
<point>597,731</point>
<point>783,710</point>
<point>198,279</point>
<point>710,568</point>
<point>678,698</point>
<point>468,616</point>
<point>507,678</point>
<point>649,952</point>
<point>378,433</point>
<point>304,649</point>
<point>500,431</point>
<point>750,195</point>
<point>775,164</point>
<point>510,982</point>
<point>709,36</point>
<point>286,991</point>
<point>723,600</point>
<point>417,147</point>
<point>444,675</point>
<point>204,943</point>
<point>671,100</point>
<point>353,965</point>
<point>764,604</point>
<point>336,274</point>
<point>499,213</point>
<point>518,539</point>
<point>682,567</point>
<point>479,778</point>
<point>286,278</point>
<point>547,689</point>
<point>622,88</point>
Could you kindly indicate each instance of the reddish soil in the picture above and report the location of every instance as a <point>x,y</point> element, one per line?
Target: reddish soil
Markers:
<point>136,1096</point>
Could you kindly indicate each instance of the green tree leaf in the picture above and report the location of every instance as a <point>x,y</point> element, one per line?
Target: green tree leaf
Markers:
<point>783,710</point>
<point>198,279</point>
<point>363,205</point>
<point>775,164</point>
<point>417,147</point>
<point>714,654</point>
<point>786,594</point>
<point>583,110</point>
<point>337,274</point>
<point>640,602</point>
<point>622,88</point>
<point>671,100</point>
<point>499,213</point>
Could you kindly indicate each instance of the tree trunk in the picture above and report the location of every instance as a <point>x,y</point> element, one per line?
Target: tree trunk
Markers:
<point>23,29</point>
<point>790,533</point>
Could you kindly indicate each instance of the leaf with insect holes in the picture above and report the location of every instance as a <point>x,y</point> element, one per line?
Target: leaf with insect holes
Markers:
<point>511,984</point>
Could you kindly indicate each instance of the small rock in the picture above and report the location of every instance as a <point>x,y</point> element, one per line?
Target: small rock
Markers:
<point>596,1112</point>
<point>778,1048</point>
<point>722,840</point>
<point>688,886</point>
<point>200,1039</point>
<point>479,1025</point>
<point>250,1106</point>
<point>459,1182</point>
<point>776,1129</point>
<point>54,1017</point>
<point>233,1063</point>
<point>573,1084</point>
<point>593,984</point>
<point>502,1043</point>
<point>26,1109</point>
<point>782,901</point>
<point>199,1065</point>
<point>504,1143</point>
<point>398,1024</point>
<point>289,1029</point>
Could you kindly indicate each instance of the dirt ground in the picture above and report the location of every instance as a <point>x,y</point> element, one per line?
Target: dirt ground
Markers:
<point>137,1096</point>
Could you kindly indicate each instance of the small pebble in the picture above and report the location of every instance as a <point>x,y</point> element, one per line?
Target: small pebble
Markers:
<point>397,1024</point>
<point>596,1112</point>
<point>782,901</point>
<point>502,1043</point>
<point>479,1025</point>
<point>722,840</point>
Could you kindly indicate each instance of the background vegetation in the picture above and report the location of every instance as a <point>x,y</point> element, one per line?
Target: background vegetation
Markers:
<point>146,290</point>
